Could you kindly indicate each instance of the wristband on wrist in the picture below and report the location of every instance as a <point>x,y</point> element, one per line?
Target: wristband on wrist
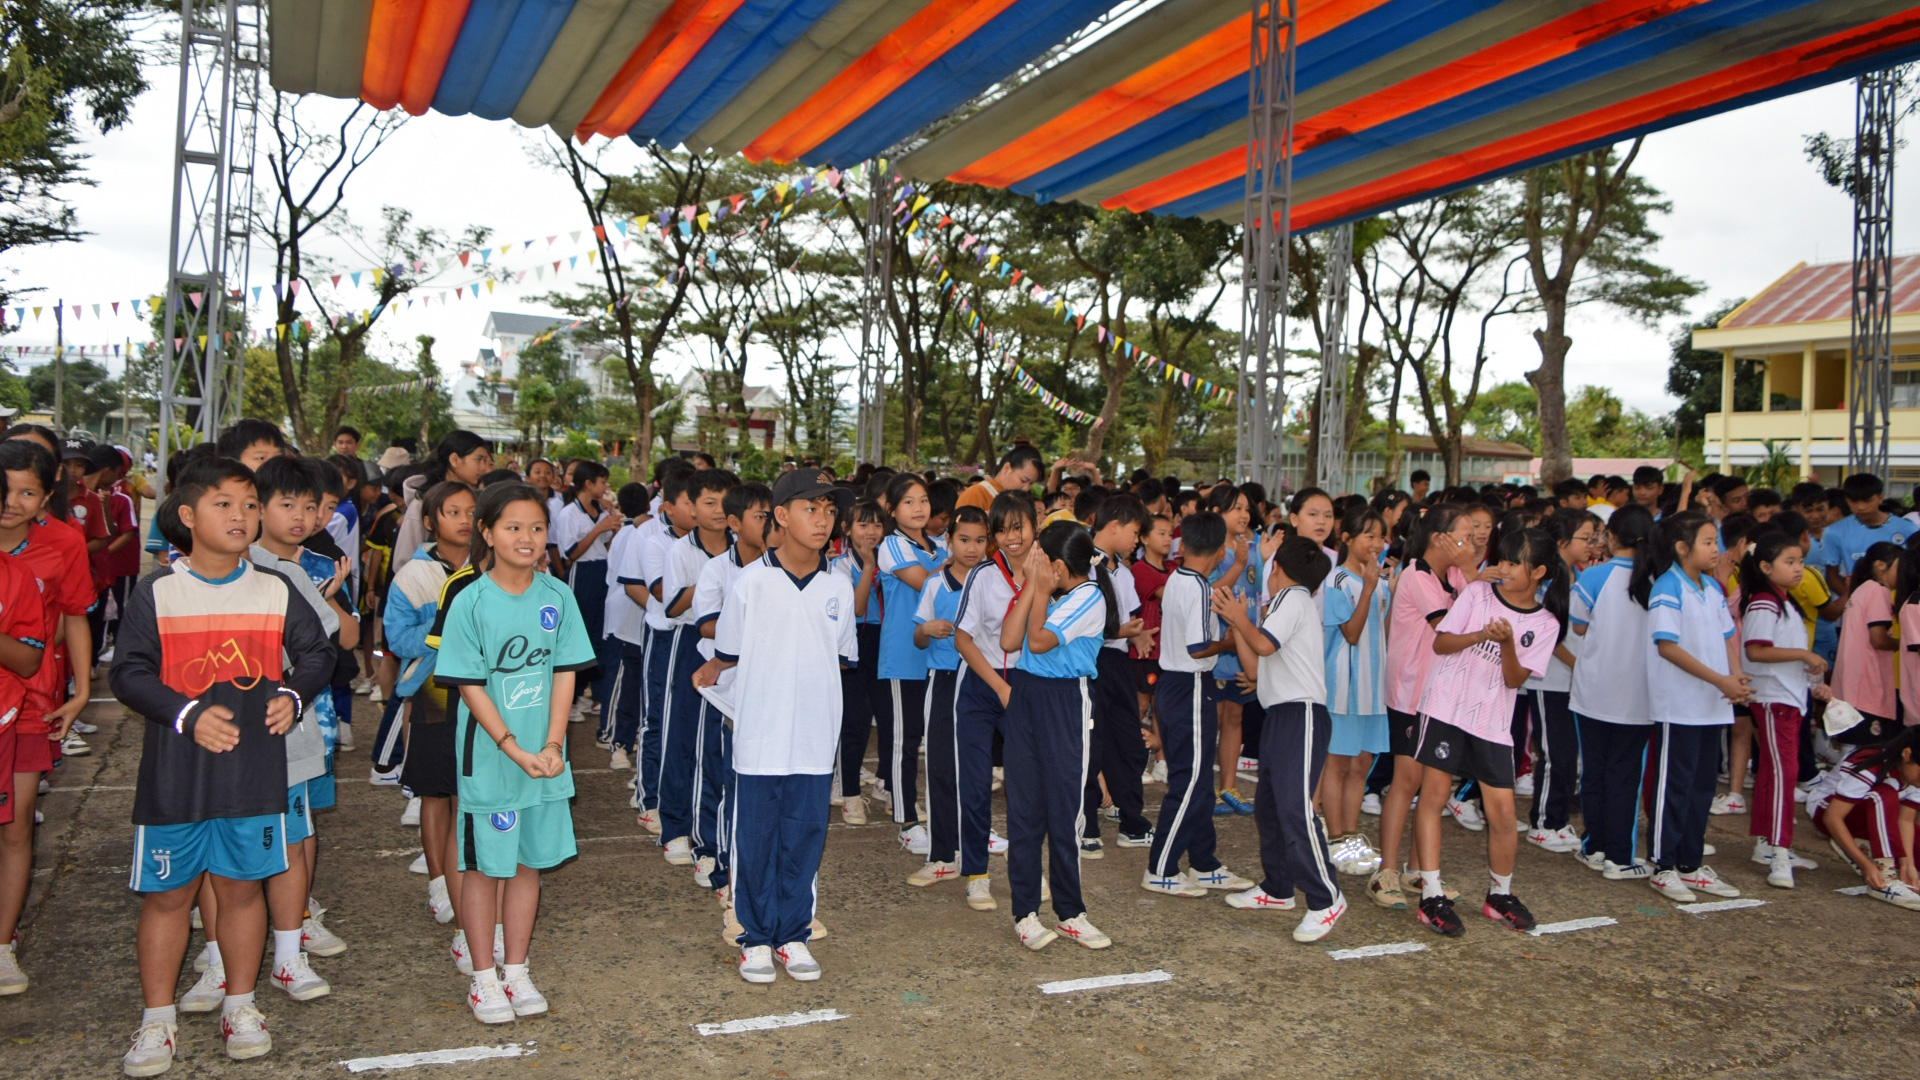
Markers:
<point>501,742</point>
<point>180,720</point>
<point>299,706</point>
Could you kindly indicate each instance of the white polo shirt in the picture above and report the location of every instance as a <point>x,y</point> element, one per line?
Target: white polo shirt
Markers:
<point>685,559</point>
<point>626,619</point>
<point>1695,617</point>
<point>1297,670</point>
<point>710,593</point>
<point>984,601</point>
<point>1768,622</point>
<point>651,564</point>
<point>1127,596</point>
<point>570,526</point>
<point>1610,681</point>
<point>1186,622</point>
<point>790,636</point>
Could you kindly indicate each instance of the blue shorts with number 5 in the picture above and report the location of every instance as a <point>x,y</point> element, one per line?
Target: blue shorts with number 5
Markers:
<point>167,857</point>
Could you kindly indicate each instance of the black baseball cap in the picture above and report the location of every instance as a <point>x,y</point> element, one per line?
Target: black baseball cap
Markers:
<point>810,484</point>
<point>76,450</point>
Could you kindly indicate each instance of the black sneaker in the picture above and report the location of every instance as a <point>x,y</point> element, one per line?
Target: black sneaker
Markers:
<point>1507,908</point>
<point>1437,912</point>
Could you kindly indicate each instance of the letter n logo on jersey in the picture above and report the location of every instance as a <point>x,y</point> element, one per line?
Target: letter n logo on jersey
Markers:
<point>549,618</point>
<point>504,821</point>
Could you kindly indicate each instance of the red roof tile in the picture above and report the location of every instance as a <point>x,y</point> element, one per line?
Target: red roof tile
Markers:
<point>1822,294</point>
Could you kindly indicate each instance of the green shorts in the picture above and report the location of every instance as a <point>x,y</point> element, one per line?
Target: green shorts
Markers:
<point>539,837</point>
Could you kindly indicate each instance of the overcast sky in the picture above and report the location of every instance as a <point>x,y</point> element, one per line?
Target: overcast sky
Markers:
<point>1746,207</point>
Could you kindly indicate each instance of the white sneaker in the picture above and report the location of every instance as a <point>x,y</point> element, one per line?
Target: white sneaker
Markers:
<point>1370,804</point>
<point>296,977</point>
<point>462,956</point>
<point>1668,884</point>
<point>579,711</point>
<point>853,810</point>
<point>679,852</point>
<point>410,817</point>
<point>343,740</point>
<point>618,760</point>
<point>1080,931</point>
<point>376,695</point>
<point>915,840</point>
<point>1033,935</point>
<point>1641,870</point>
<point>489,1002</point>
<point>1800,793</point>
<point>997,844</point>
<point>649,820</point>
<point>999,777</point>
<point>1729,803</point>
<point>1780,868</point>
<point>1524,786</point>
<point>756,964</point>
<point>245,1031</point>
<point>1705,880</point>
<point>206,994</point>
<point>1176,885</point>
<point>205,959</point>
<point>1144,840</point>
<point>1709,850</point>
<point>1554,840</point>
<point>383,779</point>
<point>317,939</point>
<point>418,865</point>
<point>1763,854</point>
<point>1898,893</point>
<point>362,687</point>
<point>1467,814</point>
<point>800,964</point>
<point>868,776</point>
<point>980,894</point>
<point>1220,878</point>
<point>522,995</point>
<point>82,726</point>
<point>152,1051</point>
<point>934,872</point>
<point>703,871</point>
<point>1259,899</point>
<point>1247,766</point>
<point>880,796</point>
<point>1596,860</point>
<point>74,746</point>
<point>439,903</point>
<point>1351,854</point>
<point>1318,924</point>
<point>1091,849</point>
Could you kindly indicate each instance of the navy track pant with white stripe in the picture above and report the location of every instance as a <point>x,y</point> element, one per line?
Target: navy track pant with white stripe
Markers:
<point>978,717</point>
<point>1046,769</point>
<point>943,766</point>
<point>1189,734</point>
<point>678,736</point>
<point>779,830</point>
<point>1293,848</point>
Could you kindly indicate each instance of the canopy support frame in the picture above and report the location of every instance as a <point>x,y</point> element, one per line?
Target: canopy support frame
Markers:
<point>876,269</point>
<point>1334,374</point>
<point>1260,411</point>
<point>1870,351</point>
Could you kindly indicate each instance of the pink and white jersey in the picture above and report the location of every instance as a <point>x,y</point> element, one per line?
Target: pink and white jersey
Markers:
<point>1862,674</point>
<point>1418,596</point>
<point>1468,689</point>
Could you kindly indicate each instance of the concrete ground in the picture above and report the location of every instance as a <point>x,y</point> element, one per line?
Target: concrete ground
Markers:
<point>1813,983</point>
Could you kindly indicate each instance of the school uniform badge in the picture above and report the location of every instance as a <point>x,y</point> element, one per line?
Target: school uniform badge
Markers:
<point>833,608</point>
<point>504,821</point>
<point>549,618</point>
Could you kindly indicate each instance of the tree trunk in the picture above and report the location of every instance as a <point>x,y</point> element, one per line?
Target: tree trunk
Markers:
<point>1550,385</point>
<point>1392,468</point>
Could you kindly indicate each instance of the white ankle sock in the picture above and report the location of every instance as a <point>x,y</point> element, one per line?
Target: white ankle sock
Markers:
<point>1502,883</point>
<point>1430,884</point>
<point>213,953</point>
<point>486,976</point>
<point>286,946</point>
<point>165,1014</point>
<point>235,1001</point>
<point>510,971</point>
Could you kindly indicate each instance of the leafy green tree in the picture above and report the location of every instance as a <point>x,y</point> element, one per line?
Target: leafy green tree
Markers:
<point>1693,376</point>
<point>87,394</point>
<point>1506,412</point>
<point>547,396</point>
<point>1599,425</point>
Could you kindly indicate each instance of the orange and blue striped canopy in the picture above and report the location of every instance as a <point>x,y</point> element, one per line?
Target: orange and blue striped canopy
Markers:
<point>1397,100</point>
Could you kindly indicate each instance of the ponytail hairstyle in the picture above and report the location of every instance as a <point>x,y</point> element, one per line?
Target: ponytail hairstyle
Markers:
<point>1533,547</point>
<point>1883,552</point>
<point>1506,524</point>
<point>1358,517</point>
<point>494,500</point>
<point>1072,544</point>
<point>1886,756</point>
<point>1765,548</point>
<point>1631,526</point>
<point>460,442</point>
<point>584,473</point>
<point>1437,521</point>
<point>898,486</point>
<point>1656,557</point>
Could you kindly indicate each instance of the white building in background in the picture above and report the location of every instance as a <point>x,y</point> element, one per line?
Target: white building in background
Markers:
<point>767,424</point>
<point>511,332</point>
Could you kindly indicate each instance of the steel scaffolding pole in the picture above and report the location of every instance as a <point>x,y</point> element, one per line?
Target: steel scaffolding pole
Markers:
<point>1332,474</point>
<point>876,264</point>
<point>1261,401</point>
<point>221,54</point>
<point>1870,352</point>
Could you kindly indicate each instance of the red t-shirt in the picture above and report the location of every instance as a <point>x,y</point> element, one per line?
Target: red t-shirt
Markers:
<point>1147,581</point>
<point>56,556</point>
<point>121,517</point>
<point>21,617</point>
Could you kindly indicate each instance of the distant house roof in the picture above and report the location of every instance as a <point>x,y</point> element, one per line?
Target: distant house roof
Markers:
<point>1822,293</point>
<point>513,322</point>
<point>1488,448</point>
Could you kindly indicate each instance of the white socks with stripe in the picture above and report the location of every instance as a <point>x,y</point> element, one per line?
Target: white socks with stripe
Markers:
<point>1430,884</point>
<point>1502,884</point>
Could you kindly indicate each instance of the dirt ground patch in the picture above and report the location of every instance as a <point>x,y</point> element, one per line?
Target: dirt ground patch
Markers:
<point>628,949</point>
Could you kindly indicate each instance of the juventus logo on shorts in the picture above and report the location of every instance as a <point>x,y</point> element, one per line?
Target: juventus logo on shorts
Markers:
<point>162,858</point>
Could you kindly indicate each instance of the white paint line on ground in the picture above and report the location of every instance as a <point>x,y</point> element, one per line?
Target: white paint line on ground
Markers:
<point>436,1057</point>
<point>1368,952</point>
<point>1573,924</point>
<point>768,1023</point>
<point>1712,906</point>
<point>1857,890</point>
<point>1068,986</point>
<point>97,787</point>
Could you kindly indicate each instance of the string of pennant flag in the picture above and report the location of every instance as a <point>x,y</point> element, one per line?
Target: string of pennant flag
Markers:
<point>408,386</point>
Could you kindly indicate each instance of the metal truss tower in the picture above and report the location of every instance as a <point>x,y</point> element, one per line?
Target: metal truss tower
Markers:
<point>1261,401</point>
<point>222,52</point>
<point>1870,354</point>
<point>876,268</point>
<point>1332,473</point>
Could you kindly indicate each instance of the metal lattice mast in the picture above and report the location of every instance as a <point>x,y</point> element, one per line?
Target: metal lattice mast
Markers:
<point>1333,364</point>
<point>876,265</point>
<point>1261,401</point>
<point>221,54</point>
<point>1870,353</point>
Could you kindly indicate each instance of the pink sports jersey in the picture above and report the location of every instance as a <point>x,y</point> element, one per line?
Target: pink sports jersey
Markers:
<point>1862,674</point>
<point>1468,689</point>
<point>1417,596</point>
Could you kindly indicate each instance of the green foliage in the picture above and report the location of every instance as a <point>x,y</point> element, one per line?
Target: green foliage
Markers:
<point>575,444</point>
<point>1776,470</point>
<point>1693,376</point>
<point>1598,425</point>
<point>1506,412</point>
<point>86,393</point>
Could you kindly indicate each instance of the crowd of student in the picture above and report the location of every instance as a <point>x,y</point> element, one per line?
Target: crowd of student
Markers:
<point>1614,647</point>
